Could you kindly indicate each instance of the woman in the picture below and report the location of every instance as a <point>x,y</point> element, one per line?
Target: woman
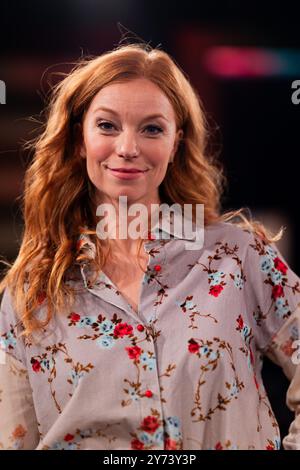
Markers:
<point>139,343</point>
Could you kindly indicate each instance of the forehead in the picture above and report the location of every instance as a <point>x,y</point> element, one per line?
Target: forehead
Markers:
<point>137,95</point>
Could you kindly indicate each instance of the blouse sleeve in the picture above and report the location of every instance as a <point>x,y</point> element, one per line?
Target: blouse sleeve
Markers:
<point>273,303</point>
<point>285,352</point>
<point>272,291</point>
<point>18,424</point>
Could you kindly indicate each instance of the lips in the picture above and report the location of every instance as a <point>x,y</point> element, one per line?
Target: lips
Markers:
<point>127,170</point>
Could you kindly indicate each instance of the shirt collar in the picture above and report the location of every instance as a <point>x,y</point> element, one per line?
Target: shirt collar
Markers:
<point>171,227</point>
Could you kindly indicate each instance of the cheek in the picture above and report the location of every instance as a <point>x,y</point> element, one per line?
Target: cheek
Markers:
<point>158,154</point>
<point>97,148</point>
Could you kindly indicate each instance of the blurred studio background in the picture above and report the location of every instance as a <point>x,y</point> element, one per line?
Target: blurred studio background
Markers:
<point>242,57</point>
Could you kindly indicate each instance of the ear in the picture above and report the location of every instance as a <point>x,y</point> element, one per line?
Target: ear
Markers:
<point>178,138</point>
<point>79,142</point>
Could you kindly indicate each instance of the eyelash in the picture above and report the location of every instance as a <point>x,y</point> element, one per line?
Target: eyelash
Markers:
<point>150,125</point>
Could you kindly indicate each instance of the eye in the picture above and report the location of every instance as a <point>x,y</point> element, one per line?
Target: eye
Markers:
<point>104,124</point>
<point>155,128</point>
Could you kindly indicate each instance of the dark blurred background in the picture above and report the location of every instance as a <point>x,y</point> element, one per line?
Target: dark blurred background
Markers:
<point>242,57</point>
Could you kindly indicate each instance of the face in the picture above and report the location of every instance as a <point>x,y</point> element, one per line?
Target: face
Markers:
<point>129,126</point>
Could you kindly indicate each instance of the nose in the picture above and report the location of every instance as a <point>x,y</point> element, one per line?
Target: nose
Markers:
<point>127,146</point>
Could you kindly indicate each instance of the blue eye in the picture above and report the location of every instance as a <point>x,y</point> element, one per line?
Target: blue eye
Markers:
<point>104,123</point>
<point>157,129</point>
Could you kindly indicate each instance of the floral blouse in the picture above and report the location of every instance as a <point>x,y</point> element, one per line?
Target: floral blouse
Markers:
<point>184,372</point>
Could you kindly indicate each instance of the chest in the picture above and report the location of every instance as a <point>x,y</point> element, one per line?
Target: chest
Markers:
<point>128,281</point>
<point>130,290</point>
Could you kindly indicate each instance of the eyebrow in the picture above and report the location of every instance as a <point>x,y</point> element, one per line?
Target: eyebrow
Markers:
<point>146,118</point>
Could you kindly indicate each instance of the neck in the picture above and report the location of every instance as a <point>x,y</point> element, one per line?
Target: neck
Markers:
<point>128,246</point>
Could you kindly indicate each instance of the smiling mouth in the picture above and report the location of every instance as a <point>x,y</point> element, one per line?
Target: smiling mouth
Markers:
<point>126,170</point>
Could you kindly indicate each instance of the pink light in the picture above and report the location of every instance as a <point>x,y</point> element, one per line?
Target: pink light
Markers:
<point>241,62</point>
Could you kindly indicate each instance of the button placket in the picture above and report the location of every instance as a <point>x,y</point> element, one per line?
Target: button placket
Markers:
<point>151,399</point>
<point>150,379</point>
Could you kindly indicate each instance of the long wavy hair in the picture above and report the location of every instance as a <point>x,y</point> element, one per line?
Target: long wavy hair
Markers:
<point>58,201</point>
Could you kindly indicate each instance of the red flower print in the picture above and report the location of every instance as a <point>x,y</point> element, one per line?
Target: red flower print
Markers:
<point>150,424</point>
<point>137,445</point>
<point>270,446</point>
<point>19,432</point>
<point>123,329</point>
<point>280,266</point>
<point>277,291</point>
<point>36,366</point>
<point>68,437</point>
<point>134,352</point>
<point>216,290</point>
<point>218,446</point>
<point>240,323</point>
<point>193,347</point>
<point>170,444</point>
<point>74,317</point>
<point>287,347</point>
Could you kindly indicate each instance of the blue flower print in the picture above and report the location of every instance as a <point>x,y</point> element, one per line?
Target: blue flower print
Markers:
<point>276,276</point>
<point>272,253</point>
<point>203,350</point>
<point>144,358</point>
<point>212,355</point>
<point>64,446</point>
<point>145,438</point>
<point>189,304</point>
<point>238,281</point>
<point>150,362</point>
<point>173,427</point>
<point>18,444</point>
<point>173,421</point>
<point>106,342</point>
<point>280,302</point>
<point>234,388</point>
<point>86,321</point>
<point>294,332</point>
<point>47,363</point>
<point>266,264</point>
<point>281,308</point>
<point>158,436</point>
<point>133,395</point>
<point>75,377</point>
<point>107,326</point>
<point>277,442</point>
<point>215,278</point>
<point>8,342</point>
<point>245,332</point>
